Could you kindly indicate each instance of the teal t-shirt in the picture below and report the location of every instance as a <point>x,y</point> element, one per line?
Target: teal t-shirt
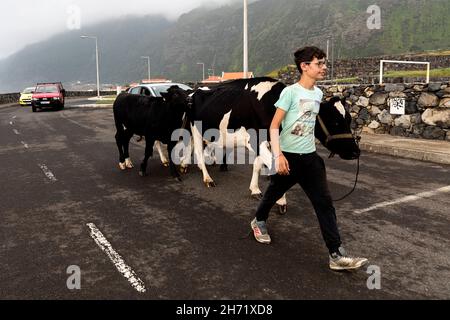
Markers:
<point>301,106</point>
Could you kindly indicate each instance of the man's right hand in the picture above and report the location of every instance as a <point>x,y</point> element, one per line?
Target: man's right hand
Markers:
<point>282,165</point>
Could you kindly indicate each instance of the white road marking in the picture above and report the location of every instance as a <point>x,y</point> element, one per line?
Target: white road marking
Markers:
<point>48,173</point>
<point>16,132</point>
<point>14,117</point>
<point>25,145</point>
<point>406,199</point>
<point>116,259</point>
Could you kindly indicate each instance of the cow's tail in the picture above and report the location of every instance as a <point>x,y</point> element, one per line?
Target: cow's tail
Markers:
<point>119,114</point>
<point>119,125</point>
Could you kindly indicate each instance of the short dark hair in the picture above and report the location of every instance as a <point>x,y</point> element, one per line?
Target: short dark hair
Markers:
<point>307,54</point>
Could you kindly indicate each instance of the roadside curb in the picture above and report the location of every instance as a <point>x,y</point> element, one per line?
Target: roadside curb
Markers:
<point>9,105</point>
<point>437,151</point>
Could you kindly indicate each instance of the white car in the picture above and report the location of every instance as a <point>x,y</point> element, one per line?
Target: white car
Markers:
<point>155,89</point>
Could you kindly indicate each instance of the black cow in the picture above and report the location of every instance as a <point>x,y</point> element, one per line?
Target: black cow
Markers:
<point>249,103</point>
<point>333,129</point>
<point>153,118</point>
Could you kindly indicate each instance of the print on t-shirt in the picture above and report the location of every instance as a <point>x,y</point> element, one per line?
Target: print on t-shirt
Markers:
<point>307,112</point>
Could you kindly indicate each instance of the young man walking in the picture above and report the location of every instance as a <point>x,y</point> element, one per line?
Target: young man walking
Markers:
<point>296,160</point>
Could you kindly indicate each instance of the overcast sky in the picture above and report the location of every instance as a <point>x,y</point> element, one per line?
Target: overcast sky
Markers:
<point>27,21</point>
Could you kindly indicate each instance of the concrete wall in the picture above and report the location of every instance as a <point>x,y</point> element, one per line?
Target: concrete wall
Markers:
<point>9,98</point>
<point>14,97</point>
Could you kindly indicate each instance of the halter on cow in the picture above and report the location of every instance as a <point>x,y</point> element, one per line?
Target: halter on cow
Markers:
<point>333,129</point>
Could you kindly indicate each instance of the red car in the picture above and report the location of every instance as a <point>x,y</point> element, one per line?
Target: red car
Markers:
<point>48,95</point>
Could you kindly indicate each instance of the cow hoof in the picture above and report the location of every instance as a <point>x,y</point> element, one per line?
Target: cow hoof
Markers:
<point>257,196</point>
<point>143,174</point>
<point>183,170</point>
<point>223,168</point>
<point>282,209</point>
<point>210,184</point>
<point>122,166</point>
<point>129,164</point>
<point>166,164</point>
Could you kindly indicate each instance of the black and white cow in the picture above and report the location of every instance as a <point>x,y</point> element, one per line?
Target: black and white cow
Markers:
<point>236,105</point>
<point>249,104</point>
<point>154,118</point>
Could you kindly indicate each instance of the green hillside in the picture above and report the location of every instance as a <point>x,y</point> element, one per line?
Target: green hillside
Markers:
<point>276,29</point>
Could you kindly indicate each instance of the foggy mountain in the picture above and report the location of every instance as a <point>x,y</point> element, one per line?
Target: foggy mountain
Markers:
<point>214,36</point>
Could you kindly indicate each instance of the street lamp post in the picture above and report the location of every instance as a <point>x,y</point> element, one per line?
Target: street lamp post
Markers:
<point>148,59</point>
<point>203,65</point>
<point>96,59</point>
<point>332,59</point>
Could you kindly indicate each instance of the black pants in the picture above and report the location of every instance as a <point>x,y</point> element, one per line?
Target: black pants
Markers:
<point>308,170</point>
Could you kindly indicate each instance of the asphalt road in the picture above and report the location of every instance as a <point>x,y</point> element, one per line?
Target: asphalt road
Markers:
<point>60,173</point>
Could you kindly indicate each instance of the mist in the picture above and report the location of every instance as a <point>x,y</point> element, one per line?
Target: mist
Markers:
<point>25,22</point>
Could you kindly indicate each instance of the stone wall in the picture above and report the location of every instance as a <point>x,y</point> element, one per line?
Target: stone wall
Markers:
<point>367,70</point>
<point>9,98</point>
<point>427,108</point>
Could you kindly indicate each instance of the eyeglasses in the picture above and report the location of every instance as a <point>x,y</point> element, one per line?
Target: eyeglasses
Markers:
<point>320,63</point>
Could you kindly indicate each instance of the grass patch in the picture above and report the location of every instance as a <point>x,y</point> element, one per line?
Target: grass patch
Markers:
<point>434,73</point>
<point>434,53</point>
<point>346,80</point>
<point>274,73</point>
<point>106,100</point>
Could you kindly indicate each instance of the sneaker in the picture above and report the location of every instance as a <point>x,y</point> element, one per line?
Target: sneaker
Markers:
<point>341,261</point>
<point>260,231</point>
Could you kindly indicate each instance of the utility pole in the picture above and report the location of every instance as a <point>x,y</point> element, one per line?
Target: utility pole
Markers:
<point>328,46</point>
<point>96,60</point>
<point>332,58</point>
<point>203,65</point>
<point>148,60</point>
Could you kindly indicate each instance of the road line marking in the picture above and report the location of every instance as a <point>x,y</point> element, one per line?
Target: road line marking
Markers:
<point>48,173</point>
<point>14,117</point>
<point>24,144</point>
<point>116,259</point>
<point>406,199</point>
<point>16,132</point>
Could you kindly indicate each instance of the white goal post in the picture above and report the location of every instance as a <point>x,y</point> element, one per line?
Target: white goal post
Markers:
<point>406,62</point>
